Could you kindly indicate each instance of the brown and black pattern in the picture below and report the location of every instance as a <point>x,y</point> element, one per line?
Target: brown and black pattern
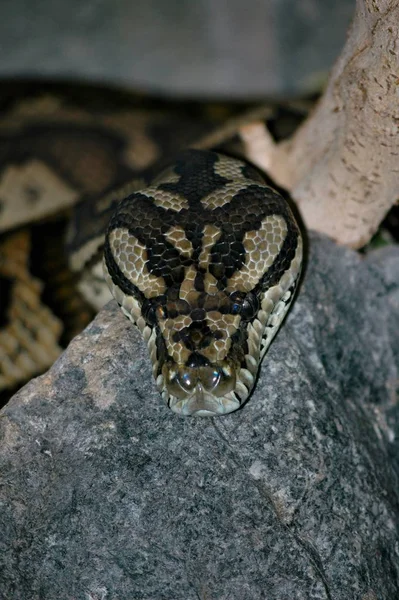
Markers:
<point>70,149</point>
<point>199,260</point>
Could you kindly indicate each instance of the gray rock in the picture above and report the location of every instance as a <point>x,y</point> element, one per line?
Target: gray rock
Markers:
<point>106,494</point>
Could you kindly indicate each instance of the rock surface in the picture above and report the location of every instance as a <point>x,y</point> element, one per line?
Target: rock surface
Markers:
<point>106,494</point>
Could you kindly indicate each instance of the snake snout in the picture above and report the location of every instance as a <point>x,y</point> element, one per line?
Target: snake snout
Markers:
<point>202,390</point>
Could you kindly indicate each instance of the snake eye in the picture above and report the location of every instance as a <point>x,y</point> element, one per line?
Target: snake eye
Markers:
<point>237,299</point>
<point>250,307</point>
<point>245,305</point>
<point>152,313</point>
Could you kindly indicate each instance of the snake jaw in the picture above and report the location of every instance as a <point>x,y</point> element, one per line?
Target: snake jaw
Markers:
<point>203,404</point>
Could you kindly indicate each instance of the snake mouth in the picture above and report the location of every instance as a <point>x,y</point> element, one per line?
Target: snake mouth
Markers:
<point>202,391</point>
<point>202,404</point>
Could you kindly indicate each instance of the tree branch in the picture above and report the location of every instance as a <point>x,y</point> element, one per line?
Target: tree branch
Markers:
<point>342,165</point>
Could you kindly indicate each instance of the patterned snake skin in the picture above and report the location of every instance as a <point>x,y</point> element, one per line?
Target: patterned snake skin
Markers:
<point>205,262</point>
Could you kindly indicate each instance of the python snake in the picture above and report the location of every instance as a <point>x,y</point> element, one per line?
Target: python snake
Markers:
<point>204,257</point>
<point>205,262</point>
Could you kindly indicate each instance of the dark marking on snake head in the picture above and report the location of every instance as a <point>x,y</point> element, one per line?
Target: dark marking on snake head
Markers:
<point>199,285</point>
<point>196,336</point>
<point>227,255</point>
<point>198,314</point>
<point>197,176</point>
<point>177,307</point>
<point>162,353</point>
<point>118,277</point>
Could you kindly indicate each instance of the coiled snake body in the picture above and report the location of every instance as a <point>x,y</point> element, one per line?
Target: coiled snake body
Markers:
<point>205,262</point>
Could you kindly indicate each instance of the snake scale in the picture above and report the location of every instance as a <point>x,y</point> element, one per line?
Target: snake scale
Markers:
<point>199,251</point>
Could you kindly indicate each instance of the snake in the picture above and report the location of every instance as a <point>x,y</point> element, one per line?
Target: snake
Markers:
<point>205,262</point>
<point>167,214</point>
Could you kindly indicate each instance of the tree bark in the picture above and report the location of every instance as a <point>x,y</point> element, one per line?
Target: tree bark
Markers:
<point>342,165</point>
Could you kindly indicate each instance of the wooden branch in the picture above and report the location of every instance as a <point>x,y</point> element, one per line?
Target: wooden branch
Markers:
<point>342,165</point>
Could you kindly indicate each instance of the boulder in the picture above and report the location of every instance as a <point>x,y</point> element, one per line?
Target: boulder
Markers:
<point>108,495</point>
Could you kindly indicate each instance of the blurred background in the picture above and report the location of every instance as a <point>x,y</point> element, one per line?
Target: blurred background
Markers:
<point>226,49</point>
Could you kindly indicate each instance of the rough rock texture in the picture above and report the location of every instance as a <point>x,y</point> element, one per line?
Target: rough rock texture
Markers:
<point>106,494</point>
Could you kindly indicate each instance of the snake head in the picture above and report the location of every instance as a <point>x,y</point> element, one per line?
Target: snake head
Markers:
<point>205,263</point>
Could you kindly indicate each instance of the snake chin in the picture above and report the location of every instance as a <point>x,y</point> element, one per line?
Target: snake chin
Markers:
<point>204,404</point>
